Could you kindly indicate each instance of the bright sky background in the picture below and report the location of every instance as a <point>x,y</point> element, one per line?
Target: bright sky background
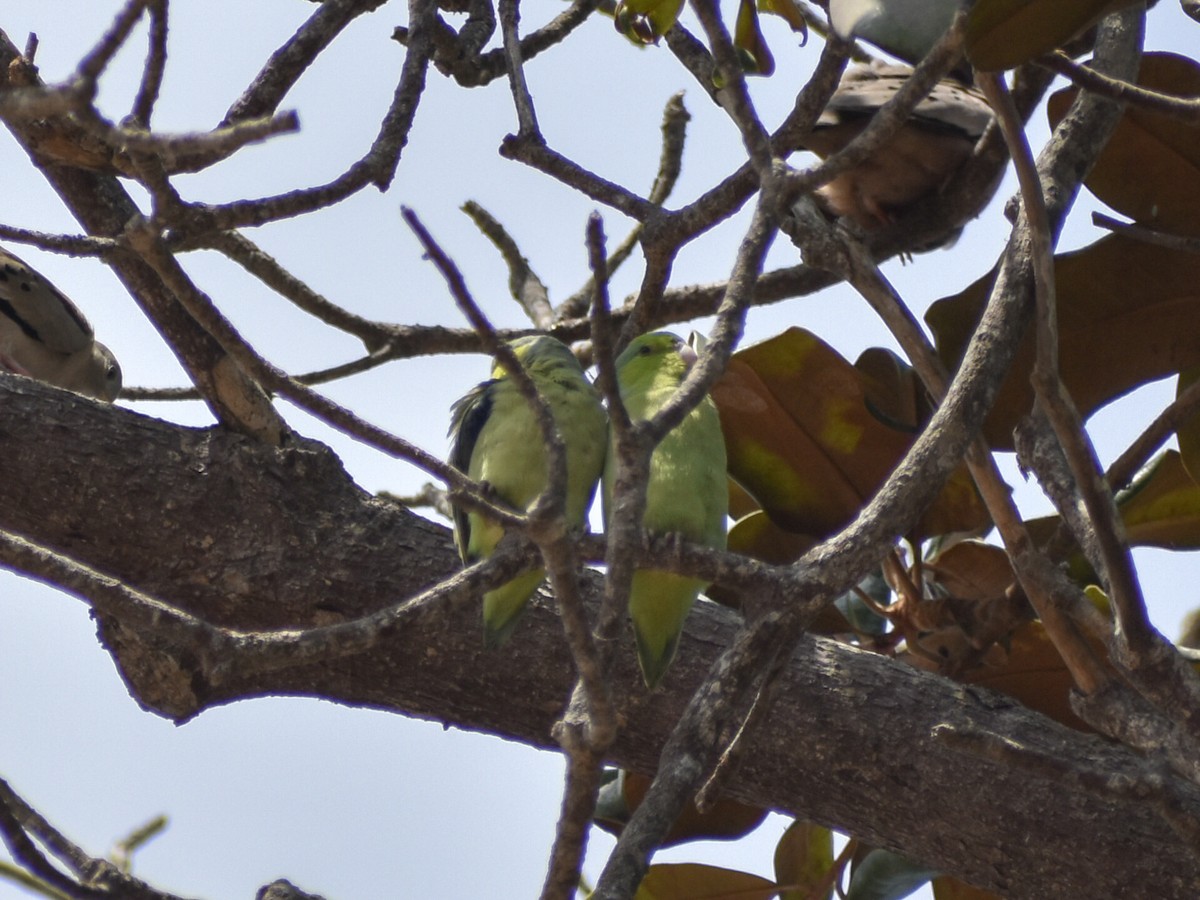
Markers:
<point>346,802</point>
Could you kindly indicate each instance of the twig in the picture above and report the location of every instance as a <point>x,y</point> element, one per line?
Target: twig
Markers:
<point>550,503</point>
<point>31,882</point>
<point>1052,393</point>
<point>245,653</point>
<point>98,58</point>
<point>430,496</point>
<point>109,595</point>
<point>1147,235</point>
<point>733,95</point>
<point>292,60</point>
<point>26,852</point>
<point>377,166</point>
<point>1165,424</point>
<point>889,119</point>
<point>1147,659</point>
<point>670,163</point>
<point>660,256</point>
<point>581,786</point>
<point>693,56</point>
<point>201,308</point>
<point>270,272</point>
<point>457,58</point>
<point>96,877</point>
<point>625,497</point>
<point>681,768</point>
<point>510,17</point>
<point>1186,109</point>
<point>523,283</point>
<point>67,244</point>
<point>92,140</point>
<point>152,72</point>
<point>531,149</point>
<point>122,852</point>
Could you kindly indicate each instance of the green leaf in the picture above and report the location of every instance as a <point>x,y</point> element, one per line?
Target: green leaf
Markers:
<point>790,12</point>
<point>863,618</point>
<point>749,42</point>
<point>692,881</point>
<point>1002,34</point>
<point>622,793</point>
<point>803,858</point>
<point>884,875</point>
<point>1188,432</point>
<point>612,812</point>
<point>645,21</point>
<point>1162,506</point>
<point>1162,150</point>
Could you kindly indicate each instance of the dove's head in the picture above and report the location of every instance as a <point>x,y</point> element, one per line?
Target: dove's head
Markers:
<point>93,371</point>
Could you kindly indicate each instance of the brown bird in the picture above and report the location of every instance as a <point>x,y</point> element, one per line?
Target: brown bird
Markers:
<point>937,139</point>
<point>43,335</point>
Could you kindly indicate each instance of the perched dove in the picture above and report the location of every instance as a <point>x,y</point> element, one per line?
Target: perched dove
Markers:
<point>928,149</point>
<point>44,335</point>
<point>905,28</point>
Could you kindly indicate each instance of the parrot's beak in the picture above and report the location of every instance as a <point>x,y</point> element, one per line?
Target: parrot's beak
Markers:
<point>695,345</point>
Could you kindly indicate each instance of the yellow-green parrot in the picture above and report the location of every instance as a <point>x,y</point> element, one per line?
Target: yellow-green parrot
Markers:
<point>495,439</point>
<point>687,493</point>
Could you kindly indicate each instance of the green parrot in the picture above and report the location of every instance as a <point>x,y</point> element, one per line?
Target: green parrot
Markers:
<point>495,439</point>
<point>687,493</point>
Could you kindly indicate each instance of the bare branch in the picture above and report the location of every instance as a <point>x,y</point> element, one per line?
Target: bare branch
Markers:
<point>94,877</point>
<point>523,283</point>
<point>531,149</point>
<point>670,163</point>
<point>733,95</point>
<point>1165,424</point>
<point>1186,109</point>
<point>152,72</point>
<point>510,17</point>
<point>891,116</point>
<point>270,272</point>
<point>292,60</point>
<point>1147,235</point>
<point>458,56</point>
<point>97,60</point>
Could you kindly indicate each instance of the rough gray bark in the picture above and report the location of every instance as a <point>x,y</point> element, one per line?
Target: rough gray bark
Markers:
<point>253,537</point>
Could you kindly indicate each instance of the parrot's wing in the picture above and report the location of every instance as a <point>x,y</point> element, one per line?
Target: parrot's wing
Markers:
<point>39,309</point>
<point>467,418</point>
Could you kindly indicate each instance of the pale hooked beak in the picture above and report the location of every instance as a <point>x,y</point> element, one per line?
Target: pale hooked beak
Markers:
<point>691,350</point>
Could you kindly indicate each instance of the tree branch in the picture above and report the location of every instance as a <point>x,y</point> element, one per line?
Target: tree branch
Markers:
<point>818,755</point>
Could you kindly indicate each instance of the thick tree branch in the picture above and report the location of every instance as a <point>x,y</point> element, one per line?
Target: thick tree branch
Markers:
<point>850,741</point>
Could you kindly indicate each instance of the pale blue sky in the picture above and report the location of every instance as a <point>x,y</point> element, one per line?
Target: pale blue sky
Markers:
<point>346,802</point>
